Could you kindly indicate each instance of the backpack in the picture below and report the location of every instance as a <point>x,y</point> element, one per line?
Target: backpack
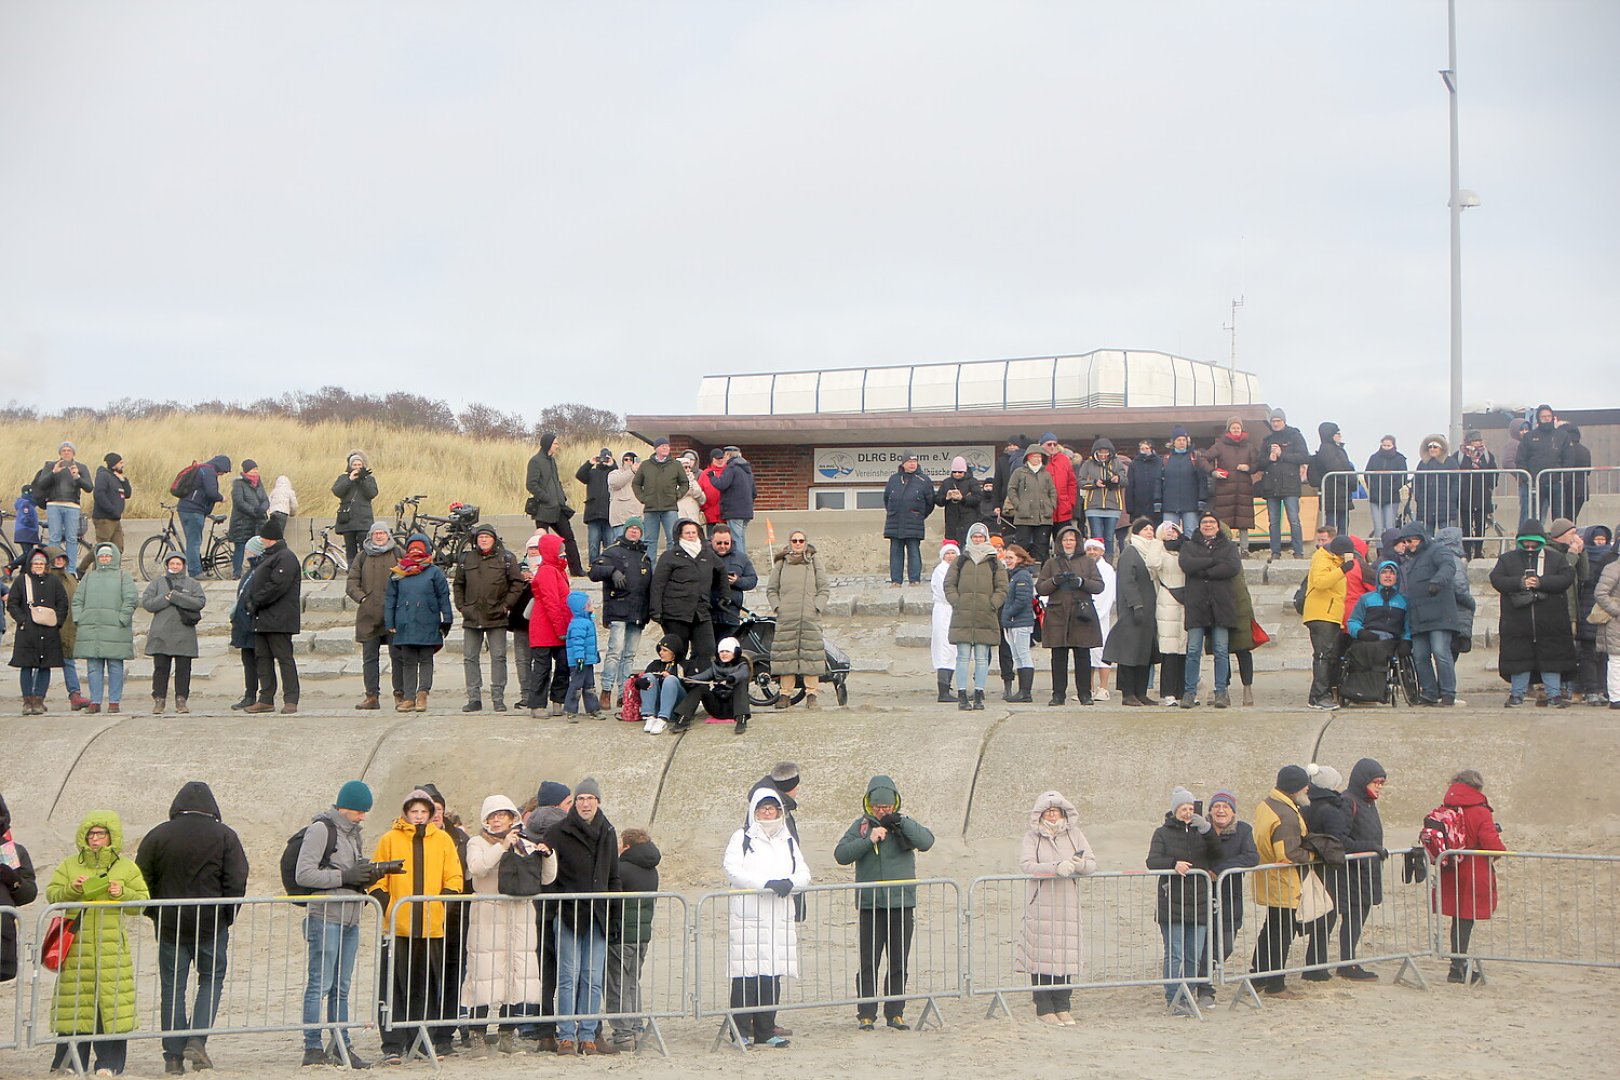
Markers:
<point>1299,594</point>
<point>630,703</point>
<point>1443,830</point>
<point>289,857</point>
<point>185,481</point>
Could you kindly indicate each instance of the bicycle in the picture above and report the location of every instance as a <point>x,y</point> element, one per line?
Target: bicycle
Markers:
<point>447,536</point>
<point>8,553</point>
<point>327,560</point>
<point>155,552</point>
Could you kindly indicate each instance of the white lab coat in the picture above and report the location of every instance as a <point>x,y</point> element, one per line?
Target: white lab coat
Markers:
<point>940,641</point>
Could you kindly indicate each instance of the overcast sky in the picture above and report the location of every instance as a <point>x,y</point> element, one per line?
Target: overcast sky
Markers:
<point>524,203</point>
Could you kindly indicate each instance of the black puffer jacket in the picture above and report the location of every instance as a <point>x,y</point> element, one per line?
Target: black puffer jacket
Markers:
<point>961,513</point>
<point>1210,566</point>
<point>1366,876</point>
<point>273,595</point>
<point>626,603</point>
<point>587,862</point>
<point>193,854</point>
<point>18,888</point>
<point>682,585</point>
<point>594,476</point>
<point>1183,899</point>
<point>488,585</point>
<point>1329,815</point>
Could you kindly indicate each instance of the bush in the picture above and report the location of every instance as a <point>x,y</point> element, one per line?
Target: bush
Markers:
<point>572,421</point>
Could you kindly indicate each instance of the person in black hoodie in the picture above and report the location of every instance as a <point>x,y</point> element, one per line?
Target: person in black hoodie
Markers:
<point>587,848</point>
<point>1327,815</point>
<point>192,855</point>
<point>107,501</point>
<point>633,923</point>
<point>1142,482</point>
<point>594,476</point>
<point>1334,490</point>
<point>1387,473</point>
<point>1184,843</point>
<point>18,888</point>
<point>960,495</point>
<point>1363,887</point>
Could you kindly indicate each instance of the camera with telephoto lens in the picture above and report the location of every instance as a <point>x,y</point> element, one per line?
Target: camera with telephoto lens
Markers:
<point>392,866</point>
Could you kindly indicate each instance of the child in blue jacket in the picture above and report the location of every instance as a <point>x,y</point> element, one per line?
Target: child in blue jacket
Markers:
<point>582,658</point>
<point>26,529</point>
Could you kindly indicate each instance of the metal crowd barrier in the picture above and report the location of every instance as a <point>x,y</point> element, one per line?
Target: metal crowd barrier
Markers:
<point>496,978</point>
<point>1486,504</point>
<point>14,994</point>
<point>821,952</point>
<point>1549,909</point>
<point>260,970</point>
<point>1106,934</point>
<point>1569,493</point>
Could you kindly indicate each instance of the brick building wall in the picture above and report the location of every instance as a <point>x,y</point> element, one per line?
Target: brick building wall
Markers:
<point>782,474</point>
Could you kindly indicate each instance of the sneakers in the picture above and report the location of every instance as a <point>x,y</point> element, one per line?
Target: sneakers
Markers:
<point>314,1055</point>
<point>655,725</point>
<point>868,1023</point>
<point>897,1023</point>
<point>1188,703</point>
<point>742,725</point>
<point>775,1042</point>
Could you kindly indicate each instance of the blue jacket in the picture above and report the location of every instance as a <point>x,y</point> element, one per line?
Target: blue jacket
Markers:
<point>1430,585</point>
<point>908,499</point>
<point>241,617</point>
<point>206,494</point>
<point>1018,610</point>
<point>1375,612</point>
<point>415,608</point>
<point>581,640</point>
<point>1184,485</point>
<point>26,531</point>
<point>726,602</point>
<point>735,483</point>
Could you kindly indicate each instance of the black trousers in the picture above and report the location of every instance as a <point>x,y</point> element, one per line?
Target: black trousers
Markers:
<point>697,637</point>
<point>274,651</point>
<point>1051,1001</point>
<point>1352,917</point>
<point>1082,672</point>
<point>751,991</point>
<point>544,917</point>
<point>1132,680</point>
<point>1324,648</point>
<point>570,545</point>
<point>720,704</point>
<point>371,666</point>
<point>548,670</point>
<point>1592,669</point>
<point>1173,675</point>
<point>417,991</point>
<point>1271,947</point>
<point>1245,663</point>
<point>884,930</point>
<point>1035,539</point>
<point>250,675</point>
<point>160,675</point>
<point>415,666</point>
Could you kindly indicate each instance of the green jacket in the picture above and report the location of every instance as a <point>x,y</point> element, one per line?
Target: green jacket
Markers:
<point>892,859</point>
<point>104,611</point>
<point>99,973</point>
<point>660,484</point>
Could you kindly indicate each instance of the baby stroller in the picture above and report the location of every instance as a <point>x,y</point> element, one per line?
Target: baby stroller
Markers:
<point>1378,673</point>
<point>755,636</point>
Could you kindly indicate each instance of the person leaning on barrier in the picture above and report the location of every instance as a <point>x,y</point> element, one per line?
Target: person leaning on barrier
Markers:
<point>1327,814</point>
<point>503,963</point>
<point>1279,834</point>
<point>1363,885</point>
<point>762,944</point>
<point>194,854</point>
<point>1237,850</point>
<point>587,848</point>
<point>18,888</point>
<point>1386,475</point>
<point>430,868</point>
<point>332,862</point>
<point>1468,882</point>
<point>630,933</point>
<point>1436,491</point>
<point>1184,843</point>
<point>95,986</point>
<point>883,846</point>
<point>1051,945</point>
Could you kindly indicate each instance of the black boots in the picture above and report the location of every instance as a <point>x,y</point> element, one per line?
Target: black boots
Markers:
<point>1007,691</point>
<point>1026,685</point>
<point>943,675</point>
<point>978,700</point>
<point>962,701</point>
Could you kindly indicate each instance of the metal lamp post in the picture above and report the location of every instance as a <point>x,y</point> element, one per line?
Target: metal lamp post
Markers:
<point>1460,201</point>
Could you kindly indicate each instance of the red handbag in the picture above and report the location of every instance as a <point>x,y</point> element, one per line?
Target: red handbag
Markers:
<point>58,941</point>
<point>1259,632</point>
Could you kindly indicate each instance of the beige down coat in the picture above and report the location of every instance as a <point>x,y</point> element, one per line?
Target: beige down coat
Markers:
<point>797,592</point>
<point>1165,566</point>
<point>1053,940</point>
<point>1607,597</point>
<point>502,966</point>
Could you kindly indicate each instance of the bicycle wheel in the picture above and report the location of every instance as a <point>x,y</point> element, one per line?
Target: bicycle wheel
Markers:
<point>154,553</point>
<point>218,563</point>
<point>319,566</point>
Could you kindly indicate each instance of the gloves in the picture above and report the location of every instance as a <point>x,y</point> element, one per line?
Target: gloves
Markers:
<point>8,877</point>
<point>360,875</point>
<point>1404,649</point>
<point>1434,588</point>
<point>444,628</point>
<point>1366,635</point>
<point>619,580</point>
<point>1065,868</point>
<point>780,886</point>
<point>890,821</point>
<point>1199,822</point>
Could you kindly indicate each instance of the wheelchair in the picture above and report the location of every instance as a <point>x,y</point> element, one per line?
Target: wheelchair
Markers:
<point>1377,673</point>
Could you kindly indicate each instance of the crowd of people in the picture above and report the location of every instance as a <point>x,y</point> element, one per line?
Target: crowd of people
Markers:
<point>530,967</point>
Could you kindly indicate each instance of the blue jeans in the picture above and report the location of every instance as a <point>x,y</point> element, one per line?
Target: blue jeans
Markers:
<point>739,533</point>
<point>238,552</point>
<point>900,553</point>
<point>1385,516</point>
<point>1102,525</point>
<point>1017,644</point>
<point>1183,946</point>
<point>619,663</point>
<point>1185,520</point>
<point>598,535</point>
<point>70,676</point>
<point>1435,644</point>
<point>35,680</point>
<point>581,964</point>
<point>1195,656</point>
<point>332,951</point>
<point>1275,508</point>
<point>651,522</point>
<point>192,525</point>
<point>63,523</point>
<point>663,697</point>
<point>979,656</point>
<point>174,968</point>
<point>1519,684</point>
<point>109,671</point>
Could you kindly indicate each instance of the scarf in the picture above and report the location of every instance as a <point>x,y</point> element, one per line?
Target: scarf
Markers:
<point>979,550</point>
<point>1034,466</point>
<point>1054,829</point>
<point>692,547</point>
<point>770,829</point>
<point>412,564</point>
<point>374,548</point>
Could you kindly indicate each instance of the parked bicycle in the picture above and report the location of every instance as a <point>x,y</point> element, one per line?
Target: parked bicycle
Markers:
<point>447,536</point>
<point>8,551</point>
<point>327,559</point>
<point>155,552</point>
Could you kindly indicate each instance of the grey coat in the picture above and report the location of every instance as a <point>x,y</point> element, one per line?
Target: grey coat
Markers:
<point>798,593</point>
<point>166,597</point>
<point>1136,627</point>
<point>976,591</point>
<point>368,587</point>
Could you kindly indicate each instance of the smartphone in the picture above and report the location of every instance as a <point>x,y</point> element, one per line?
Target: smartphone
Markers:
<point>1198,808</point>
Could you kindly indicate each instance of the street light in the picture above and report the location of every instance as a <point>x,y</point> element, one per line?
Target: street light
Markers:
<point>1461,199</point>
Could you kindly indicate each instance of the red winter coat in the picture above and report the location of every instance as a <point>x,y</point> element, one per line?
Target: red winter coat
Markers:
<point>1068,488</point>
<point>711,495</point>
<point>548,622</point>
<point>1355,583</point>
<point>1468,885</point>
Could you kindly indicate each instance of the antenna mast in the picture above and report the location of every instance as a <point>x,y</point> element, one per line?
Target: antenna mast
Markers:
<point>1231,363</point>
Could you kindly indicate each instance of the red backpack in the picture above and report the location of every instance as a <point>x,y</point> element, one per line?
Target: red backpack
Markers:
<point>185,481</point>
<point>1443,830</point>
<point>630,708</point>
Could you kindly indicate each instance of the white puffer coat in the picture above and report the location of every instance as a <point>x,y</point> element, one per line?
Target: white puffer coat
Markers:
<point>1165,566</point>
<point>940,642</point>
<point>1053,938</point>
<point>502,967</point>
<point>764,938</point>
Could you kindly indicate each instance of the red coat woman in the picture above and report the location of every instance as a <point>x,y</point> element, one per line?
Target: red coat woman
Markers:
<point>1468,884</point>
<point>548,622</point>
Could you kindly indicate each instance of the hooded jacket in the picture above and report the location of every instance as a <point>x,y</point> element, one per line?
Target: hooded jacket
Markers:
<point>1065,482</point>
<point>1325,587</point>
<point>503,936</point>
<point>416,607</point>
<point>1364,878</point>
<point>1279,834</point>
<point>1429,582</point>
<point>1142,484</point>
<point>638,872</point>
<point>975,590</point>
<point>1436,494</point>
<point>1065,581</point>
<point>1381,613</point>
<point>97,980</point>
<point>283,499</point>
<point>659,485</point>
<point>205,494</point>
<point>1328,814</point>
<point>1052,935</point>
<point>1032,496</point>
<point>1468,882</point>
<point>104,610</point>
<point>1535,631</point>
<point>193,854</point>
<point>367,586</point>
<point>1330,459</point>
<point>34,645</point>
<point>622,502</point>
<point>581,641</point>
<point>1543,447</point>
<point>894,858</point>
<point>111,495</point>
<point>250,508</point>
<point>908,499</point>
<point>1598,560</point>
<point>487,585</point>
<point>432,868</point>
<point>762,934</point>
<point>18,888</point>
<point>1102,483</point>
<point>354,513</point>
<point>550,616</point>
<point>171,598</point>
<point>1183,899</point>
<point>548,503</point>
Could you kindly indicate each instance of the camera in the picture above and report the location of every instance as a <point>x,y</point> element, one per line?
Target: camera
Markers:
<point>392,866</point>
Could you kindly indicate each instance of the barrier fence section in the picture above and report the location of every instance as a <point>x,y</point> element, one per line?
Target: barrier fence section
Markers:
<point>1377,916</point>
<point>1526,907</point>
<point>1569,493</point>
<point>620,961</point>
<point>1082,933</point>
<point>14,993</point>
<point>751,956</point>
<point>1486,504</point>
<point>201,967</point>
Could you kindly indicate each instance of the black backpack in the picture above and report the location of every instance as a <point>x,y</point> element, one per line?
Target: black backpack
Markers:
<point>520,875</point>
<point>1299,594</point>
<point>289,857</point>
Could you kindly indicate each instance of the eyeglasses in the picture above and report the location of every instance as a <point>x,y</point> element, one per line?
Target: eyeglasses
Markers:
<point>798,540</point>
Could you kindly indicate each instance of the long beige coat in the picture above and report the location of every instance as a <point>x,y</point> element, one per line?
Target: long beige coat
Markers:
<point>1052,941</point>
<point>1165,566</point>
<point>502,967</point>
<point>798,592</point>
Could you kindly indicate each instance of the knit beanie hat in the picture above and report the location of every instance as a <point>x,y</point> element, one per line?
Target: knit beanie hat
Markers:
<point>1226,797</point>
<point>1341,545</point>
<point>1325,776</point>
<point>248,465</point>
<point>552,793</point>
<point>1178,432</point>
<point>271,529</point>
<point>1277,414</point>
<point>1290,778</point>
<point>1179,797</point>
<point>354,795</point>
<point>633,521</point>
<point>113,459</point>
<point>255,547</point>
<point>588,786</point>
<point>1559,527</point>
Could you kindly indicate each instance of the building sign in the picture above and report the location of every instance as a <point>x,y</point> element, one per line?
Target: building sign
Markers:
<point>875,464</point>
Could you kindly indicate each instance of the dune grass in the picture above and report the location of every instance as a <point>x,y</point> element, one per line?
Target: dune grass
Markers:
<point>443,467</point>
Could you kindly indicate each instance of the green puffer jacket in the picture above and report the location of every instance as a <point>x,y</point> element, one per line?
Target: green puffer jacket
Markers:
<point>104,611</point>
<point>894,858</point>
<point>99,973</point>
<point>660,484</point>
<point>976,591</point>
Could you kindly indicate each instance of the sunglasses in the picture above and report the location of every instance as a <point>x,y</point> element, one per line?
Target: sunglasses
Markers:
<point>799,540</point>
